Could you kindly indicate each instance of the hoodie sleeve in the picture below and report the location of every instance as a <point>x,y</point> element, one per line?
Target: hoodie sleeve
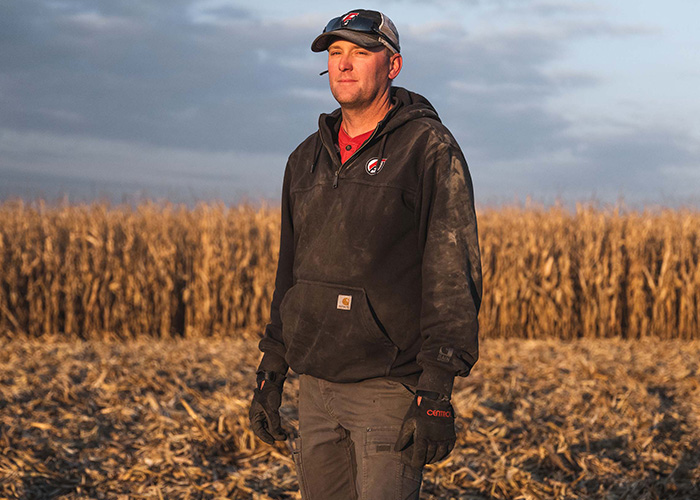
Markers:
<point>451,269</point>
<point>272,344</point>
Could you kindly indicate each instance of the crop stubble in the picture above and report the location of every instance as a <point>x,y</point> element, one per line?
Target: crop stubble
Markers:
<point>168,419</point>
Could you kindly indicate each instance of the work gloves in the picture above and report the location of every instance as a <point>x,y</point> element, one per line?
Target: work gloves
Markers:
<point>430,425</point>
<point>264,411</point>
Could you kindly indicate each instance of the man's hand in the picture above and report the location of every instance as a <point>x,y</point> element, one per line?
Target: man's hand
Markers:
<point>430,425</point>
<point>264,410</point>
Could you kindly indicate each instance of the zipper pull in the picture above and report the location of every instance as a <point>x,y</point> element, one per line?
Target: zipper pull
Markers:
<point>335,180</point>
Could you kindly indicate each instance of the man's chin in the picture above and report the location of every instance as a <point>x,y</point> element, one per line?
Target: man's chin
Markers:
<point>349,102</point>
<point>345,96</point>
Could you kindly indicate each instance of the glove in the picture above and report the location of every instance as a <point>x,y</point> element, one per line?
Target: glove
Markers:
<point>430,425</point>
<point>264,409</point>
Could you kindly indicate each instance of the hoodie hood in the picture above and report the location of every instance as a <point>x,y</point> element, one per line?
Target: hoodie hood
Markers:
<point>406,106</point>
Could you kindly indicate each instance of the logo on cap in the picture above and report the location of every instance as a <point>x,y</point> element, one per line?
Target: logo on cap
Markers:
<point>349,17</point>
<point>374,166</point>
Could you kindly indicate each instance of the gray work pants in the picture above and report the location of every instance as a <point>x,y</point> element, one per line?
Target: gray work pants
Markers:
<point>346,446</point>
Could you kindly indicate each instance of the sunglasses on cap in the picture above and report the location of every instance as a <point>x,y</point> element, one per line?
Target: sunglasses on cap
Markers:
<point>357,22</point>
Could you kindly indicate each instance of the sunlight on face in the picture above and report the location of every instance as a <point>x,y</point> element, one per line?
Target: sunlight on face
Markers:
<point>358,76</point>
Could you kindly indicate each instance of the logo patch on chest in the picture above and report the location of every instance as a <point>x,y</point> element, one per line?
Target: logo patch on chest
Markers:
<point>374,166</point>
<point>344,302</point>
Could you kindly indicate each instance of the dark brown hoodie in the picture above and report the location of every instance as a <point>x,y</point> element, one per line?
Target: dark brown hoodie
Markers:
<point>379,271</point>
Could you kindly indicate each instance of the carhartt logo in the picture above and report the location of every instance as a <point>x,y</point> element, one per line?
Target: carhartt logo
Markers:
<point>374,166</point>
<point>348,18</point>
<point>439,413</point>
<point>445,354</point>
<point>344,302</point>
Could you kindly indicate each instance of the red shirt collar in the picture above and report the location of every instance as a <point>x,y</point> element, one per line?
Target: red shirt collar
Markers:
<point>354,143</point>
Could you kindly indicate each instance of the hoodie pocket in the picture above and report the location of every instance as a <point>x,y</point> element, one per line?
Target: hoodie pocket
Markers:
<point>330,333</point>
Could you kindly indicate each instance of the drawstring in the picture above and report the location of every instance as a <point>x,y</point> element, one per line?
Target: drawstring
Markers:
<point>318,147</point>
<point>381,150</point>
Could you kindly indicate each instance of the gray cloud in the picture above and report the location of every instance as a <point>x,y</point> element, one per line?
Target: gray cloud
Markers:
<point>127,94</point>
<point>494,90</point>
<point>491,91</point>
<point>129,74</point>
<point>47,165</point>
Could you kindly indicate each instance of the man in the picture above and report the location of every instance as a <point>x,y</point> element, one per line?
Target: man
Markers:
<point>378,283</point>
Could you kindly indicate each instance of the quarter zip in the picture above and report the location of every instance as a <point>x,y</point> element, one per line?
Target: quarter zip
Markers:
<point>325,124</point>
<point>354,155</point>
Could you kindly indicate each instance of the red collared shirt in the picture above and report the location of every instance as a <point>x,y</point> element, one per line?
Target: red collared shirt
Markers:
<point>348,145</point>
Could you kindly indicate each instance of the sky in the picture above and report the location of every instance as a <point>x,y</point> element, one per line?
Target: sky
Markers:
<point>203,100</point>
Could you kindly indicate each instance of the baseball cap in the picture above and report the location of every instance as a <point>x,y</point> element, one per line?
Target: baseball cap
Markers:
<point>366,28</point>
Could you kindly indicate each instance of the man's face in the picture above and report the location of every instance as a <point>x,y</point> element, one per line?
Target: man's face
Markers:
<point>358,75</point>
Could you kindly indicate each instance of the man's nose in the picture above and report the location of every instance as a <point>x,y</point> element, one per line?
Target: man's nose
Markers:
<point>344,63</point>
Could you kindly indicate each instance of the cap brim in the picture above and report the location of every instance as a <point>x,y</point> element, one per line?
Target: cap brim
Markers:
<point>362,39</point>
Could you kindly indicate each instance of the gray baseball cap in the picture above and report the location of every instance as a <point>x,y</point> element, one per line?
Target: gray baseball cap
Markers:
<point>366,28</point>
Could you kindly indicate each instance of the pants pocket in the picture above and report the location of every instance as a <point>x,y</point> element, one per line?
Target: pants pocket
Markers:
<point>409,482</point>
<point>298,463</point>
<point>384,475</point>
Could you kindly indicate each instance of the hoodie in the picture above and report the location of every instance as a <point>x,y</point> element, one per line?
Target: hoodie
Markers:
<point>379,271</point>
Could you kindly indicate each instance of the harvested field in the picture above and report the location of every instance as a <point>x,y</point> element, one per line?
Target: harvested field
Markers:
<point>167,419</point>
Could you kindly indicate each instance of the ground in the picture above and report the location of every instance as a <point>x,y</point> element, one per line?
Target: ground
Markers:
<point>168,419</point>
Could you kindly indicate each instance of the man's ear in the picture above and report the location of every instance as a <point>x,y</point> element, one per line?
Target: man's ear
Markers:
<point>395,65</point>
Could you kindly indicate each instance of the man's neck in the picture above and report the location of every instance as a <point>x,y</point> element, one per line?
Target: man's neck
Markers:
<point>357,121</point>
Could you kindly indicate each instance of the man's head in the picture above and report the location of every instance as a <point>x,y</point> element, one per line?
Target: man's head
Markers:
<point>363,57</point>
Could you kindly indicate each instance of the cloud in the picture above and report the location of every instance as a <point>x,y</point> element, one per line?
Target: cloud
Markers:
<point>37,164</point>
<point>494,91</point>
<point>168,80</point>
<point>215,94</point>
<point>491,90</point>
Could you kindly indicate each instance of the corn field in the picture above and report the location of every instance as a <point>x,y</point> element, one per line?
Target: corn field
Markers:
<point>97,271</point>
<point>573,397</point>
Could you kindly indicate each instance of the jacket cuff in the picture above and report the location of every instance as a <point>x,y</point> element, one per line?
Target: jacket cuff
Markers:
<point>273,362</point>
<point>436,380</point>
